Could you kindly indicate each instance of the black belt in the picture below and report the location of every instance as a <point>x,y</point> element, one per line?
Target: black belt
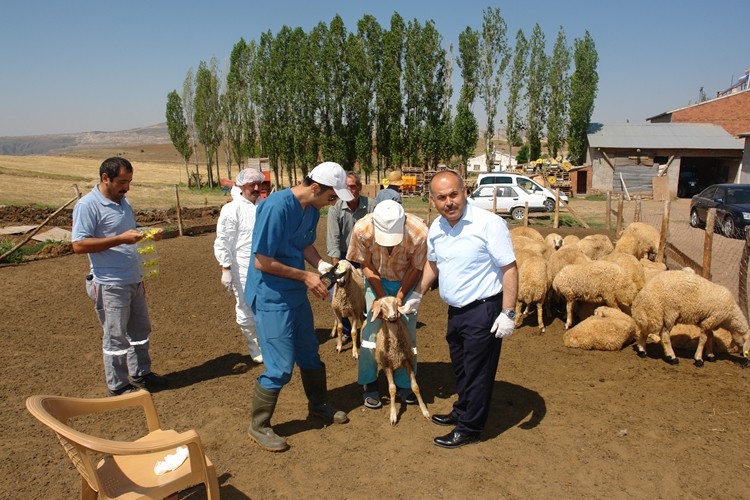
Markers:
<point>498,296</point>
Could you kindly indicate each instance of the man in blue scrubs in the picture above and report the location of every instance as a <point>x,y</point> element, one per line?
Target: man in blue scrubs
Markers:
<point>277,287</point>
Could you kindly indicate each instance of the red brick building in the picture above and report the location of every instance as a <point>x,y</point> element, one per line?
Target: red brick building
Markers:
<point>731,112</point>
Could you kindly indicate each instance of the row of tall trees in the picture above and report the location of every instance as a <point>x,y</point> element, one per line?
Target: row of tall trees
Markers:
<point>375,98</point>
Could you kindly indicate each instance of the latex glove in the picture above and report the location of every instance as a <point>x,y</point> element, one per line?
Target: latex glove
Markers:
<point>503,326</point>
<point>324,267</point>
<point>226,279</point>
<point>411,306</point>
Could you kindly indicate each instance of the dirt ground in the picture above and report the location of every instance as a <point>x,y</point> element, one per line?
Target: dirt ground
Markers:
<point>564,423</point>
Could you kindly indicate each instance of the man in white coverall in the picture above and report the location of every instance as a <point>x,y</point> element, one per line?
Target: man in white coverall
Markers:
<point>234,238</point>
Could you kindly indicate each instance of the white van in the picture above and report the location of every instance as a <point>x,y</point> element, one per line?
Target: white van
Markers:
<point>521,180</point>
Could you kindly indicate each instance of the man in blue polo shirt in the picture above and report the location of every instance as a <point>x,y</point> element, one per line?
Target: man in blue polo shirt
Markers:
<point>276,290</point>
<point>104,228</point>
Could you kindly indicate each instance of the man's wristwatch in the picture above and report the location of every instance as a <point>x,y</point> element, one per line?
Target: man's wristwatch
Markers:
<point>511,313</point>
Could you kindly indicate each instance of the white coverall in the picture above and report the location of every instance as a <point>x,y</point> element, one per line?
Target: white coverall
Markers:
<point>234,239</point>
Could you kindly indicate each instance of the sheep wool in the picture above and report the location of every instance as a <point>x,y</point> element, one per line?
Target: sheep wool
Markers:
<point>609,329</point>
<point>680,297</point>
<point>639,239</point>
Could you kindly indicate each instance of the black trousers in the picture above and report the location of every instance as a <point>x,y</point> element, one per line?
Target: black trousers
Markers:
<point>475,354</point>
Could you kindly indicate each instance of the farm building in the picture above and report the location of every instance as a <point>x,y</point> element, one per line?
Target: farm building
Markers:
<point>500,162</point>
<point>628,157</point>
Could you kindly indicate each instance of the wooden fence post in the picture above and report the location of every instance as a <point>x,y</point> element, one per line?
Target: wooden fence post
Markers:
<point>664,230</point>
<point>608,218</point>
<point>742,287</point>
<point>620,203</point>
<point>556,221</point>
<point>708,240</point>
<point>179,210</point>
<point>526,213</point>
<point>637,213</point>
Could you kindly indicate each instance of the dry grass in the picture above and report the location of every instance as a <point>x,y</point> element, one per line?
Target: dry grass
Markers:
<point>48,180</point>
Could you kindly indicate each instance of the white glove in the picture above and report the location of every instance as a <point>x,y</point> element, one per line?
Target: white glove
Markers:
<point>226,279</point>
<point>503,326</point>
<point>324,267</point>
<point>411,306</point>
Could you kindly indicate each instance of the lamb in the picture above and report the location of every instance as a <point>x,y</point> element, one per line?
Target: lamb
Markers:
<point>608,329</point>
<point>554,241</point>
<point>595,246</point>
<point>563,257</point>
<point>596,282</point>
<point>651,269</point>
<point>393,350</point>
<point>570,240</point>
<point>640,240</point>
<point>679,297</point>
<point>533,286</point>
<point>526,243</point>
<point>348,302</point>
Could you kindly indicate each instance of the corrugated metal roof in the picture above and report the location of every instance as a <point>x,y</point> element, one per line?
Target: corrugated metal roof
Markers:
<point>662,136</point>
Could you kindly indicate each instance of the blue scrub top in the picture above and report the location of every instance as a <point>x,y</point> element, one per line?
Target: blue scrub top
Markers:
<point>282,231</point>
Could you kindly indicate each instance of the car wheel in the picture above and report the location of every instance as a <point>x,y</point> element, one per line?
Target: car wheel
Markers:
<point>549,204</point>
<point>728,227</point>
<point>517,213</point>
<point>695,221</point>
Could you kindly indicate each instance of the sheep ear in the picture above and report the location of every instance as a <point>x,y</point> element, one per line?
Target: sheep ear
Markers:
<point>375,311</point>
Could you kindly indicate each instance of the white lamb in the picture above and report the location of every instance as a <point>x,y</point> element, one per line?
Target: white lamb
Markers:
<point>640,240</point>
<point>609,329</point>
<point>348,302</point>
<point>393,350</point>
<point>679,297</point>
<point>596,282</point>
<point>554,241</point>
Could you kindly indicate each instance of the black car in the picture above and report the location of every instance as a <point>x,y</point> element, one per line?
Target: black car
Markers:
<point>732,204</point>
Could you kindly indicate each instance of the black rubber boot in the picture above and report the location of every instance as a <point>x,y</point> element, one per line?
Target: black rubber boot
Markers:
<point>264,403</point>
<point>314,382</point>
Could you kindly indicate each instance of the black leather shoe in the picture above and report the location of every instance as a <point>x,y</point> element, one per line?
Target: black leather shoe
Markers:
<point>455,440</point>
<point>444,419</point>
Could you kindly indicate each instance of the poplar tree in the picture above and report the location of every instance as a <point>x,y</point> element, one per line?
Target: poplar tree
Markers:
<point>389,129</point>
<point>536,92</point>
<point>559,90</point>
<point>465,129</point>
<point>207,114</point>
<point>188,97</point>
<point>514,104</point>
<point>494,56</point>
<point>583,89</point>
<point>178,129</point>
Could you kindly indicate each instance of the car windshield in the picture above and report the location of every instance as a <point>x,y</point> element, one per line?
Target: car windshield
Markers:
<point>738,196</point>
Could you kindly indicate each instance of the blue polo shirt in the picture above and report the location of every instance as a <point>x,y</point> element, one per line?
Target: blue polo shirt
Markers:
<point>282,231</point>
<point>469,255</point>
<point>96,216</point>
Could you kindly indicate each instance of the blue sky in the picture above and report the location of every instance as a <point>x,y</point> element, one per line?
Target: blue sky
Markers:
<point>86,65</point>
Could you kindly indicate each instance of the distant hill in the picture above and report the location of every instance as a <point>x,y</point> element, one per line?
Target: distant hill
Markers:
<point>55,143</point>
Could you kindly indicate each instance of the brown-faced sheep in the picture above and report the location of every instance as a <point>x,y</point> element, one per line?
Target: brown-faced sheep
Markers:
<point>609,329</point>
<point>679,297</point>
<point>393,350</point>
<point>348,302</point>
<point>596,282</point>
<point>640,240</point>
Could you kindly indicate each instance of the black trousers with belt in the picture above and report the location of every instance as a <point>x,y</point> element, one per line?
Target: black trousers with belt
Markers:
<point>475,354</point>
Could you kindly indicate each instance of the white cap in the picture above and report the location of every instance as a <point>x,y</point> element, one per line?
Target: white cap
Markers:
<point>388,219</point>
<point>331,174</point>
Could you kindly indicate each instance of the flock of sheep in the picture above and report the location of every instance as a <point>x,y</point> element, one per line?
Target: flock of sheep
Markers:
<point>635,298</point>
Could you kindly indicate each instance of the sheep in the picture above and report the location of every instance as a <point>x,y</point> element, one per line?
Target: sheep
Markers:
<point>596,282</point>
<point>570,240</point>
<point>595,246</point>
<point>393,349</point>
<point>640,240</point>
<point>679,297</point>
<point>608,329</point>
<point>554,241</point>
<point>651,269</point>
<point>526,243</point>
<point>630,264</point>
<point>686,337</point>
<point>563,257</point>
<point>348,302</point>
<point>528,232</point>
<point>533,286</point>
